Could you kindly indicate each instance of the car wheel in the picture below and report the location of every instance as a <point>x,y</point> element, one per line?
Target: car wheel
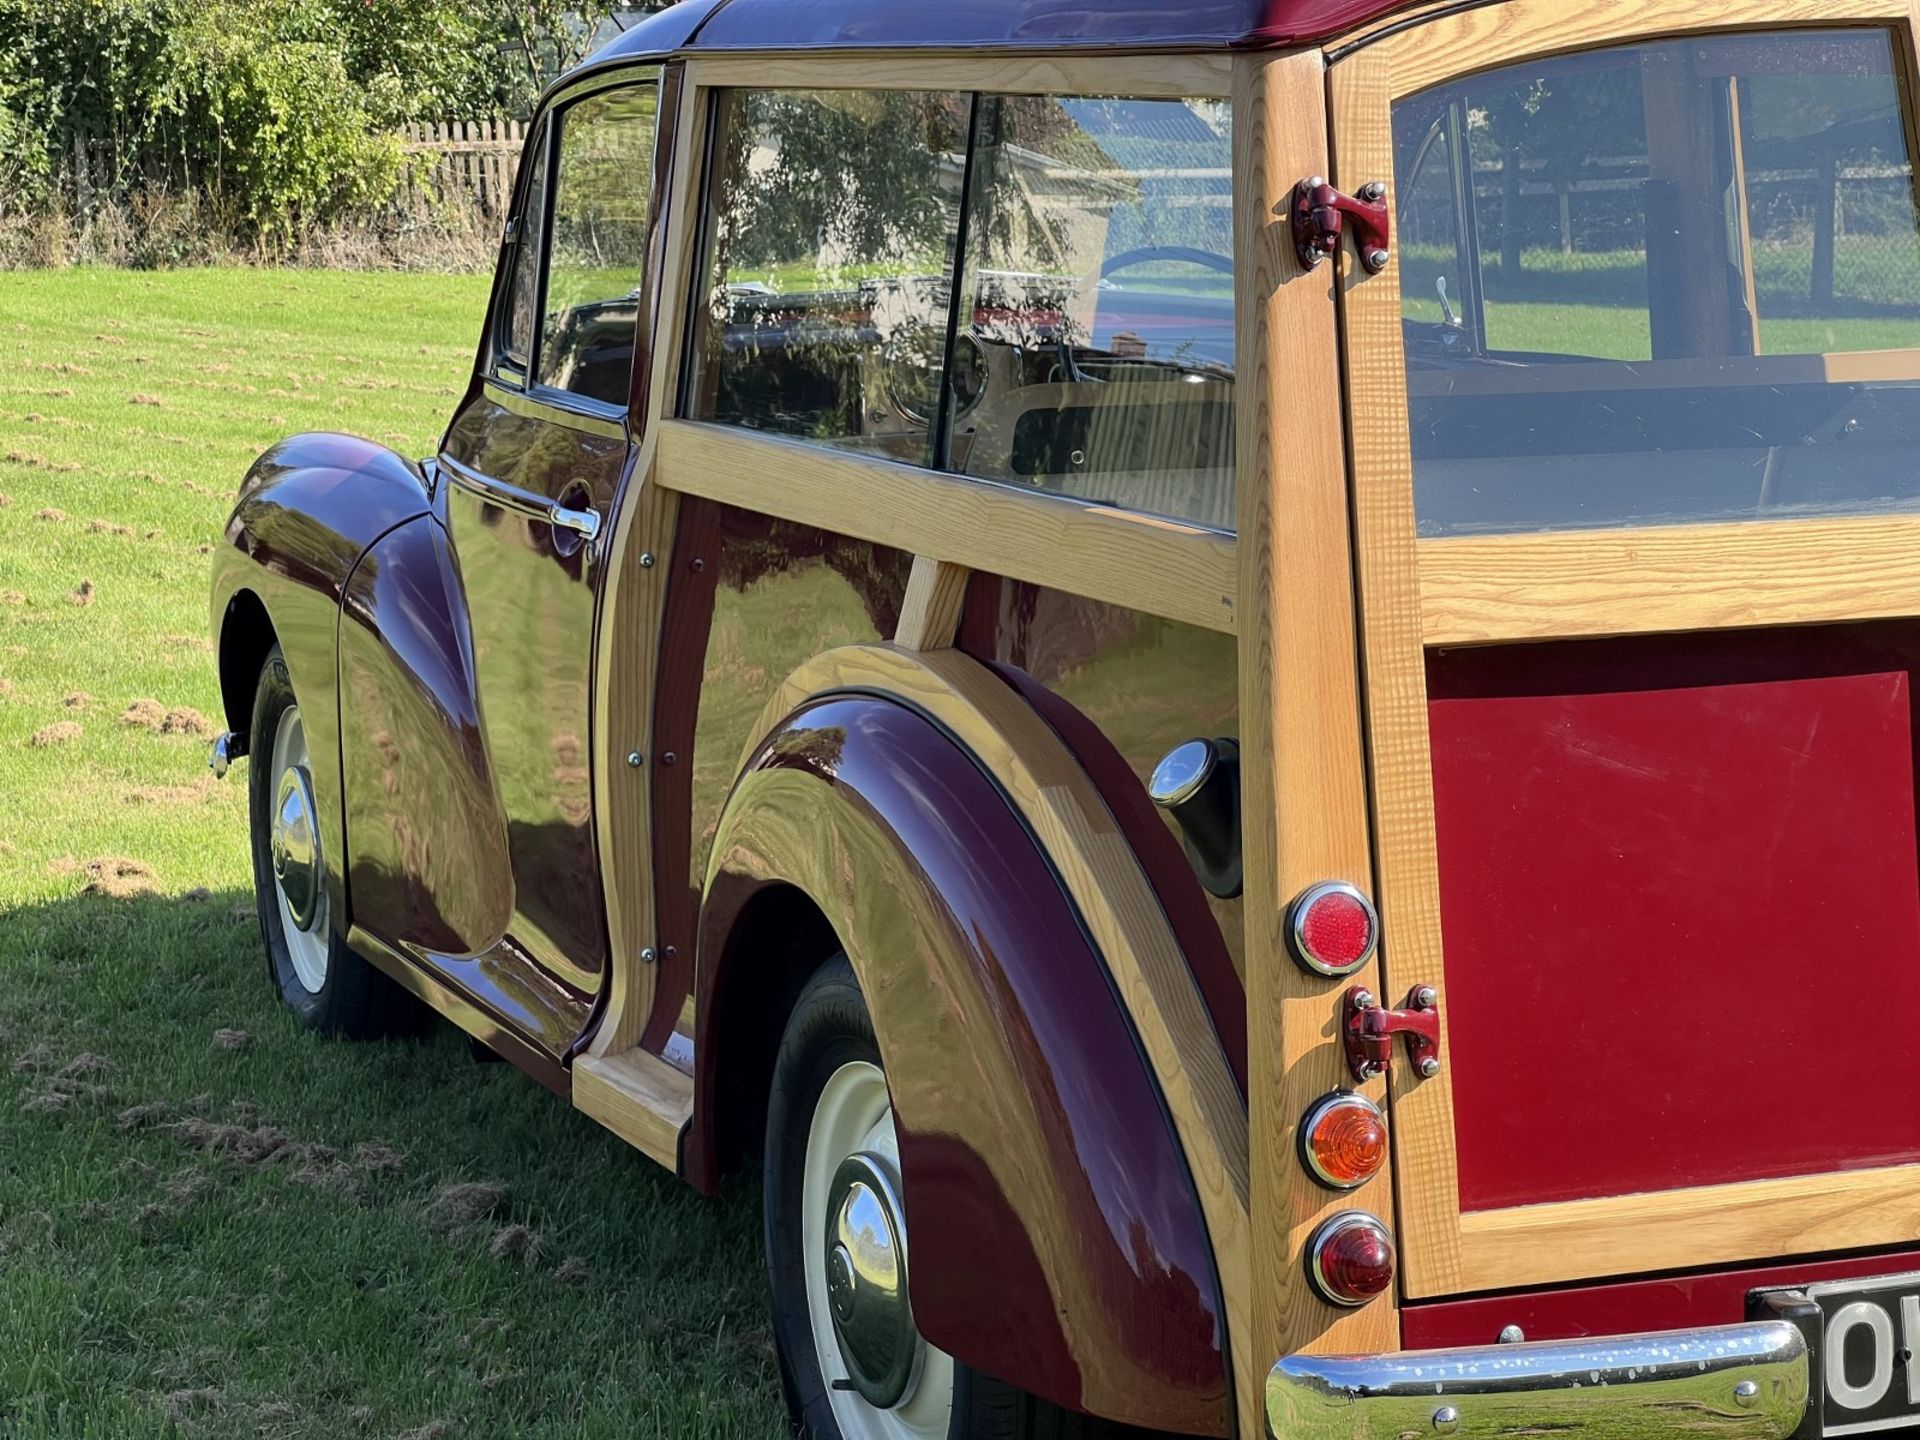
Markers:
<point>852,1363</point>
<point>325,984</point>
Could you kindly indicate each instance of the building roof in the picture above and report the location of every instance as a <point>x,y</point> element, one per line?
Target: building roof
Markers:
<point>994,24</point>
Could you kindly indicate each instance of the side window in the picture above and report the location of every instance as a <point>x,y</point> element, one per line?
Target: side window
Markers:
<point>1083,346</point>
<point>1099,362</point>
<point>597,244</point>
<point>523,296</point>
<point>829,291</point>
<point>1683,285</point>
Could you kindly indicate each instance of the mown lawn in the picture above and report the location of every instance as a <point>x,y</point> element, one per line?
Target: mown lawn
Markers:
<point>211,1223</point>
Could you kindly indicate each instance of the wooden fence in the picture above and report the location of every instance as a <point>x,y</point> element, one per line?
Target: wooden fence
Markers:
<point>463,160</point>
<point>465,163</point>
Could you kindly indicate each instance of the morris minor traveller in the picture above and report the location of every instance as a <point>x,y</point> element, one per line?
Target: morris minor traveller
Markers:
<point>1232,682</point>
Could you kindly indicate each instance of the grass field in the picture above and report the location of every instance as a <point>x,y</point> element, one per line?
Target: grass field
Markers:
<point>211,1223</point>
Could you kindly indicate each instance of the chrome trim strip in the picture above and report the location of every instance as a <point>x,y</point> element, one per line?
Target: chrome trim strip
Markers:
<point>532,405</point>
<point>522,502</point>
<point>1747,1381</point>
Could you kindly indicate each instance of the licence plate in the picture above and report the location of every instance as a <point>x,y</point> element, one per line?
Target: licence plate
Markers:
<point>1868,1371</point>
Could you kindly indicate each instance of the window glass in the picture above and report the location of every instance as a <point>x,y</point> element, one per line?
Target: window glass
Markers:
<point>829,293</point>
<point>1099,357</point>
<point>598,244</point>
<point>1662,283</point>
<point>523,301</point>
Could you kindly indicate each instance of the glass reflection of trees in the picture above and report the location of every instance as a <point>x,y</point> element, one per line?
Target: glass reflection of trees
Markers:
<point>1096,346</point>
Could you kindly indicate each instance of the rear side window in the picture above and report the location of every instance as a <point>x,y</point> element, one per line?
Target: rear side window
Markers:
<point>1032,291</point>
<point>1662,283</point>
<point>829,298</point>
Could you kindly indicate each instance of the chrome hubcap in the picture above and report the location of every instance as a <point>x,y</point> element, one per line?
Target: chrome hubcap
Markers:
<point>867,1280</point>
<point>296,847</point>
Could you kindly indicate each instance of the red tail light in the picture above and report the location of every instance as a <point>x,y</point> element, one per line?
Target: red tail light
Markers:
<point>1343,1140</point>
<point>1350,1260</point>
<point>1332,928</point>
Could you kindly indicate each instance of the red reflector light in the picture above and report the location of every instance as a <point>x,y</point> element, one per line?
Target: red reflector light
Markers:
<point>1343,1140</point>
<point>1351,1258</point>
<point>1332,928</point>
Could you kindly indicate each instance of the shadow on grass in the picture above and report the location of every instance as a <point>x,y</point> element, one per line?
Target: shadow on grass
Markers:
<point>197,1199</point>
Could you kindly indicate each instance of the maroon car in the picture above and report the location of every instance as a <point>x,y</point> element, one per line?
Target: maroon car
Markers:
<point>1233,681</point>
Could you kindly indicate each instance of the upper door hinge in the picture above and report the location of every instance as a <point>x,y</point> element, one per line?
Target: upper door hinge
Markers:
<point>1320,214</point>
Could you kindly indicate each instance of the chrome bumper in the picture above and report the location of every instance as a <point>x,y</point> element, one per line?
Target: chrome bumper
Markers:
<point>1747,1381</point>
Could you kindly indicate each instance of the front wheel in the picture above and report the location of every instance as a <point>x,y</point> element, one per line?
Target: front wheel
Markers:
<point>325,984</point>
<point>852,1362</point>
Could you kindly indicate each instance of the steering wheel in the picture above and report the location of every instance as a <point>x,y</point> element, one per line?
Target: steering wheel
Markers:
<point>1204,258</point>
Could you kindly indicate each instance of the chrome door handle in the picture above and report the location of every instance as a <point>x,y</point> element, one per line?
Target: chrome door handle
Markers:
<point>584,522</point>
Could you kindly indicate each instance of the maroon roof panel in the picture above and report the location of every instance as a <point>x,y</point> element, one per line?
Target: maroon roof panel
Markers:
<point>1030,24</point>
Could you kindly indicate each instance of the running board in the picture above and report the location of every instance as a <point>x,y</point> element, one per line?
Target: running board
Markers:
<point>638,1096</point>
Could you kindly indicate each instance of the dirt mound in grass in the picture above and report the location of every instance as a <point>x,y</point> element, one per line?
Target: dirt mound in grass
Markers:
<point>147,714</point>
<point>184,720</point>
<point>60,733</point>
<point>83,593</point>
<point>463,1203</point>
<point>117,877</point>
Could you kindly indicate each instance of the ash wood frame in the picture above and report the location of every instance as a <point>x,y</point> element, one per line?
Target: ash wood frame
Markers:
<point>1415,594</point>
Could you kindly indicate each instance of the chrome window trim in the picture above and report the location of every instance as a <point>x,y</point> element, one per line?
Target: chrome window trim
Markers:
<point>559,407</point>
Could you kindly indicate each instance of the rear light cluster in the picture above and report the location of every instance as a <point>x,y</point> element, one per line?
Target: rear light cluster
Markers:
<point>1350,1260</point>
<point>1332,929</point>
<point>1343,1140</point>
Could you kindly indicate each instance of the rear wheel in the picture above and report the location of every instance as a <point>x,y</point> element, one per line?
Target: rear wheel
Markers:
<point>853,1363</point>
<point>325,984</point>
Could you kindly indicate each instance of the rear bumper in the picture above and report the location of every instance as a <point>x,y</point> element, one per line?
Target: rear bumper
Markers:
<point>1748,1381</point>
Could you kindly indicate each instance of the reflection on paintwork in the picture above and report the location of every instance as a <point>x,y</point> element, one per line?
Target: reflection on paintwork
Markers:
<point>532,633</point>
<point>1146,683</point>
<point>428,858</point>
<point>785,594</point>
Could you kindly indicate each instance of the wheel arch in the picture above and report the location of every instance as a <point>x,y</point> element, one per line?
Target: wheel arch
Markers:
<point>1014,1042</point>
<point>246,637</point>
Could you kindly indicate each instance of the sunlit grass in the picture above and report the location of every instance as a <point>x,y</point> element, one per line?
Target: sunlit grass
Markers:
<point>192,1238</point>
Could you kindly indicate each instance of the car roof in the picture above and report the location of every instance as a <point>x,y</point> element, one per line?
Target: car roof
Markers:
<point>716,25</point>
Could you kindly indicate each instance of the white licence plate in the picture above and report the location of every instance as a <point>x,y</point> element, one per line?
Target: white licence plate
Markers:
<point>1869,1353</point>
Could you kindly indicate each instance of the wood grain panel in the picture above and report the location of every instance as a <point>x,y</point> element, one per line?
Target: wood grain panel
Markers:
<point>1479,39</point>
<point>1303,783</point>
<point>1116,901</point>
<point>1395,671</point>
<point>1145,76</point>
<point>1563,585</point>
<point>930,613</point>
<point>639,1097</point>
<point>628,645</point>
<point>1707,1225</point>
<point>1179,572</point>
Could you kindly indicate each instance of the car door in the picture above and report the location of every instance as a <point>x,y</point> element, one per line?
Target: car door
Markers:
<point>535,461</point>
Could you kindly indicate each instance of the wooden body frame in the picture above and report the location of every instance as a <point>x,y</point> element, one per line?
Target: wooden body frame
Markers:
<point>1420,593</point>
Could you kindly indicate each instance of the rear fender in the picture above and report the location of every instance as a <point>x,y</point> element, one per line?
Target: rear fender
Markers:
<point>308,509</point>
<point>1059,1238</point>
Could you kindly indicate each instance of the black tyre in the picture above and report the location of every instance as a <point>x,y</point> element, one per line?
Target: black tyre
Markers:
<point>326,985</point>
<point>846,1377</point>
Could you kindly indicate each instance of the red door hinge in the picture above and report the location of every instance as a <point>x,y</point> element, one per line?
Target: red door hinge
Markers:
<point>1320,214</point>
<point>1368,1032</point>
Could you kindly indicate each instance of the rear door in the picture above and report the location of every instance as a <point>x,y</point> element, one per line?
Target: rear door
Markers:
<point>1635,427</point>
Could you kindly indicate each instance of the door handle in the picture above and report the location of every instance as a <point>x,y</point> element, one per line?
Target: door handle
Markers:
<point>583,521</point>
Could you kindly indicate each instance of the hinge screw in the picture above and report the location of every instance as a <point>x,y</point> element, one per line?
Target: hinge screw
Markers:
<point>1363,1000</point>
<point>1373,191</point>
<point>1377,260</point>
<point>635,759</point>
<point>1425,998</point>
<point>646,559</point>
<point>647,956</point>
<point>1428,1067</point>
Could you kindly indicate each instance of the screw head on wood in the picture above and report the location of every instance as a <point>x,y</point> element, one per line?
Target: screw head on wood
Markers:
<point>646,559</point>
<point>647,956</point>
<point>1428,1067</point>
<point>635,759</point>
